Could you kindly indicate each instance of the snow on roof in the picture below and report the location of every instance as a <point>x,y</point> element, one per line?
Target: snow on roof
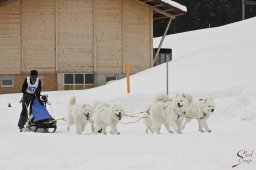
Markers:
<point>176,5</point>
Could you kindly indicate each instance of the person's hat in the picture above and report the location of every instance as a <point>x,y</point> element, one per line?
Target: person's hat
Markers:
<point>33,73</point>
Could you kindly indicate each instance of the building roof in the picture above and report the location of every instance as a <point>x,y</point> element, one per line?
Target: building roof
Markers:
<point>3,2</point>
<point>165,8</point>
<point>161,8</point>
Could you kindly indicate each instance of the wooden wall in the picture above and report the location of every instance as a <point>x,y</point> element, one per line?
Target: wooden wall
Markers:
<point>10,37</point>
<point>38,34</point>
<point>137,35</point>
<point>108,27</point>
<point>75,36</point>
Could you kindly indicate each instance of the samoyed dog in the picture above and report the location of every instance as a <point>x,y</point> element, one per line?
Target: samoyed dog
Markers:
<point>176,110</point>
<point>80,115</point>
<point>148,121</point>
<point>201,111</point>
<point>106,115</point>
<point>156,114</point>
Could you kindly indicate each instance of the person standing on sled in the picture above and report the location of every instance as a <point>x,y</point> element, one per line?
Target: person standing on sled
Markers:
<point>31,90</point>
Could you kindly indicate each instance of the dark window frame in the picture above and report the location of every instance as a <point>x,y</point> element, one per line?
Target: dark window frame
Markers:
<point>110,78</point>
<point>76,82</point>
<point>7,79</point>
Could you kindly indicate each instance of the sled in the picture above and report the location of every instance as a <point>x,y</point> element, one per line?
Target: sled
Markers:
<point>42,118</point>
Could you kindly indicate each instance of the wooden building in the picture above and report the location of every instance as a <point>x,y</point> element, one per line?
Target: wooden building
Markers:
<point>76,44</point>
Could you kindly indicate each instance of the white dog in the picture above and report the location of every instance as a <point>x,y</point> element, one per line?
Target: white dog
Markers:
<point>156,114</point>
<point>79,114</point>
<point>200,111</point>
<point>106,115</point>
<point>176,110</point>
<point>148,121</point>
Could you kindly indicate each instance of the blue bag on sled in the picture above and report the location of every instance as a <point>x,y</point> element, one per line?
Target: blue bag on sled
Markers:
<point>41,117</point>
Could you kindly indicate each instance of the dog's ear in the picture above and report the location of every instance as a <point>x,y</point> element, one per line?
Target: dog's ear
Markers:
<point>205,100</point>
<point>84,105</point>
<point>183,94</point>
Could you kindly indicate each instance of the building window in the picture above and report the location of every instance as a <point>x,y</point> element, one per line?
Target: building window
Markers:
<point>164,56</point>
<point>7,82</point>
<point>89,78</point>
<point>110,78</point>
<point>69,79</point>
<point>78,81</point>
<point>79,78</point>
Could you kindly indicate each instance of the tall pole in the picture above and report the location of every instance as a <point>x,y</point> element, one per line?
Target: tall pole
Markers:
<point>243,11</point>
<point>167,78</point>
<point>168,58</point>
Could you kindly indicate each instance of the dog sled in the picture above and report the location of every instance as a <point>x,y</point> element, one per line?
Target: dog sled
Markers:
<point>40,118</point>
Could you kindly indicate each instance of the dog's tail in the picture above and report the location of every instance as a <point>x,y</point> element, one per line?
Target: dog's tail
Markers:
<point>162,97</point>
<point>72,100</point>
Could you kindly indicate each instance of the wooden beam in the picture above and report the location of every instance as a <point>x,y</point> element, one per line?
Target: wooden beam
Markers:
<point>122,18</point>
<point>94,38</point>
<point>151,37</point>
<point>6,2</point>
<point>162,17</point>
<point>146,0</point>
<point>162,40</point>
<point>164,13</point>
<point>21,36</point>
<point>157,10</point>
<point>157,5</point>
<point>56,34</point>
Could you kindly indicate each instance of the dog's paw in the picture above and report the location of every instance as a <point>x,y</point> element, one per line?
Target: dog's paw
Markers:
<point>209,131</point>
<point>201,130</point>
<point>118,133</point>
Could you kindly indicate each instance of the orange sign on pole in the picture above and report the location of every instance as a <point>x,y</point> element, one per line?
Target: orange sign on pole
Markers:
<point>127,66</point>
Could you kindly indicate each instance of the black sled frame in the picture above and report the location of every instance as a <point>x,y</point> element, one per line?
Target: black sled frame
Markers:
<point>48,125</point>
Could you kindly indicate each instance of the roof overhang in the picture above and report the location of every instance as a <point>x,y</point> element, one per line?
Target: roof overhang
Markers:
<point>3,2</point>
<point>165,8</point>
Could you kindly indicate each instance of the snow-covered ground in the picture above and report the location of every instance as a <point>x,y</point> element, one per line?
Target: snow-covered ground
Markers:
<point>217,62</point>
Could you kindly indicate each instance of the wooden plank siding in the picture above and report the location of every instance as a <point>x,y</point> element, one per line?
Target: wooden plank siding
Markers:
<point>75,35</point>
<point>10,46</point>
<point>41,37</point>
<point>108,28</point>
<point>38,35</point>
<point>137,36</point>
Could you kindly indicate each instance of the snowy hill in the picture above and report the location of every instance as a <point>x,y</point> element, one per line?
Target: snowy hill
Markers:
<point>217,62</point>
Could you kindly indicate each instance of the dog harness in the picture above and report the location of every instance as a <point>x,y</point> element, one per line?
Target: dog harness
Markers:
<point>195,118</point>
<point>87,116</point>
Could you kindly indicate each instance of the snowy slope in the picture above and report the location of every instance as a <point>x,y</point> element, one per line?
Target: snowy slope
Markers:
<point>217,62</point>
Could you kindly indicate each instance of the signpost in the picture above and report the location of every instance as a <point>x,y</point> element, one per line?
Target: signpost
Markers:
<point>127,66</point>
<point>168,58</point>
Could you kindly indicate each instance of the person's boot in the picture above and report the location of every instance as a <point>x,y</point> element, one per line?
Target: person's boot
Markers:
<point>22,129</point>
